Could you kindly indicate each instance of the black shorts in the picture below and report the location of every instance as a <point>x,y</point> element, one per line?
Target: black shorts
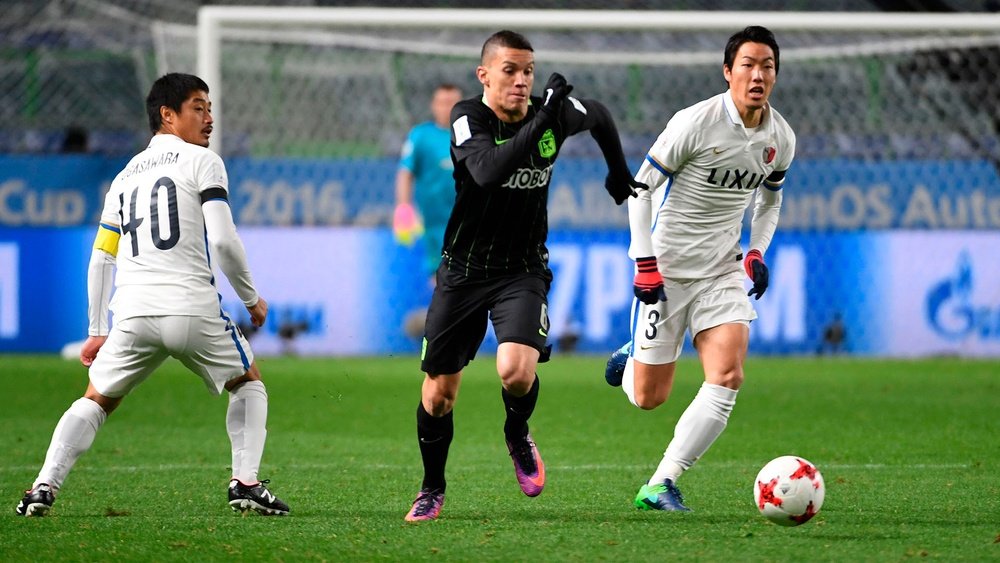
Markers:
<point>456,319</point>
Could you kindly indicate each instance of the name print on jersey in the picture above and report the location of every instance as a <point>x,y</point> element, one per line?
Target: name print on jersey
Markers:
<point>158,160</point>
<point>529,178</point>
<point>735,179</point>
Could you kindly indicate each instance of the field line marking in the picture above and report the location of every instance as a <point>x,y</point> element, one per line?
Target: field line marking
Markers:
<point>584,467</point>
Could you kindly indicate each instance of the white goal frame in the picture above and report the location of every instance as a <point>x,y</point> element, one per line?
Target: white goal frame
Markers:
<point>216,21</point>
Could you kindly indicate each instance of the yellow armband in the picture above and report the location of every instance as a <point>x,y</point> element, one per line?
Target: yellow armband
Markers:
<point>107,238</point>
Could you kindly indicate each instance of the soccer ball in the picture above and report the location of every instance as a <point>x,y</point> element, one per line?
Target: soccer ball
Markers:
<point>789,490</point>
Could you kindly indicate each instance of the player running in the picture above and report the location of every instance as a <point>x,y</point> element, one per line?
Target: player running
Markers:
<point>495,264</point>
<point>702,172</point>
<point>166,216</point>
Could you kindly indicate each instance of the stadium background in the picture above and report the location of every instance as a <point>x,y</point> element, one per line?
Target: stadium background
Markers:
<point>891,218</point>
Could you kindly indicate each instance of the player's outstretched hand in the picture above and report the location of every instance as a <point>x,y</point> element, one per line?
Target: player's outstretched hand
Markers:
<point>757,271</point>
<point>90,348</point>
<point>258,313</point>
<point>622,186</point>
<point>648,283</point>
<point>556,90</point>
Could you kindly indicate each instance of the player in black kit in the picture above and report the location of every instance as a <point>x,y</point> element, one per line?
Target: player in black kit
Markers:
<point>494,262</point>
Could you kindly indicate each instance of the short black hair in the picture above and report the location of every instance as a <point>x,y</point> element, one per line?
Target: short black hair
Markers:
<point>750,34</point>
<point>447,86</point>
<point>505,38</point>
<point>170,90</point>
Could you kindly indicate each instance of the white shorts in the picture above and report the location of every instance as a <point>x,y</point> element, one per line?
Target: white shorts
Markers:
<point>212,347</point>
<point>658,330</point>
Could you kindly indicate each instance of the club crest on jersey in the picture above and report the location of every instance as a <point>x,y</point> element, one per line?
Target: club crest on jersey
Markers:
<point>769,153</point>
<point>547,144</point>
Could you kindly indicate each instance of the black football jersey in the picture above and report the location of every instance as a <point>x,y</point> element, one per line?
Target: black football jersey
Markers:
<point>499,223</point>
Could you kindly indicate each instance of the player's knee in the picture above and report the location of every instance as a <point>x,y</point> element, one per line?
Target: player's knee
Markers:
<point>730,379</point>
<point>517,381</point>
<point>648,401</point>
<point>438,405</point>
<point>516,365</point>
<point>438,396</point>
<point>107,404</point>
<point>252,374</point>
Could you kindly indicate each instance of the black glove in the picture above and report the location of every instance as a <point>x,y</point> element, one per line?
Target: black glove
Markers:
<point>556,90</point>
<point>621,186</point>
<point>648,283</point>
<point>757,271</point>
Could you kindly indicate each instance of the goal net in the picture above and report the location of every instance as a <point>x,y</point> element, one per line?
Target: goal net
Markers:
<point>896,118</point>
<point>349,82</point>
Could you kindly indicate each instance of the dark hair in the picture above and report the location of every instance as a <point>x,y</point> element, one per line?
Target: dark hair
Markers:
<point>170,90</point>
<point>447,86</point>
<point>750,34</point>
<point>505,38</point>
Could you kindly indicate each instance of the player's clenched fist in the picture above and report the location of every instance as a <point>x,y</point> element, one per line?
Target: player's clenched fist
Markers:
<point>556,90</point>
<point>258,313</point>
<point>757,271</point>
<point>88,353</point>
<point>622,185</point>
<point>648,284</point>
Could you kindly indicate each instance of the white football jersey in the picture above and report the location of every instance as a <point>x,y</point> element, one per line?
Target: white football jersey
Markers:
<point>702,171</point>
<point>163,265</point>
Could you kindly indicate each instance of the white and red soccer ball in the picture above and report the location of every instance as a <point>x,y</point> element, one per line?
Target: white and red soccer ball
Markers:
<point>789,490</point>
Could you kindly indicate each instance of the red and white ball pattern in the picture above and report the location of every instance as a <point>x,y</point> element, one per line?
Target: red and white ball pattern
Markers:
<point>789,490</point>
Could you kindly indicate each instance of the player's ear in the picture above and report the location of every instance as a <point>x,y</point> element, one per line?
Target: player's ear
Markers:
<point>481,75</point>
<point>166,114</point>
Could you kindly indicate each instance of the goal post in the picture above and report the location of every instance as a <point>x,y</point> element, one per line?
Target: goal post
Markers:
<point>897,120</point>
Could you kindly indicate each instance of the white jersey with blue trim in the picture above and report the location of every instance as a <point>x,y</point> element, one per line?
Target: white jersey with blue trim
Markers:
<point>163,264</point>
<point>702,171</point>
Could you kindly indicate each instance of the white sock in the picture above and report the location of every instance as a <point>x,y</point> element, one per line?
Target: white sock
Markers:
<point>72,437</point>
<point>628,381</point>
<point>246,420</point>
<point>699,426</point>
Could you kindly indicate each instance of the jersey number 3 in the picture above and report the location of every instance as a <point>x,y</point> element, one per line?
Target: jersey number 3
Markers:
<point>132,226</point>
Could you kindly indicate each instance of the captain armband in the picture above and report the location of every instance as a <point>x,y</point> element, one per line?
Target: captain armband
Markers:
<point>107,238</point>
<point>774,181</point>
<point>213,194</point>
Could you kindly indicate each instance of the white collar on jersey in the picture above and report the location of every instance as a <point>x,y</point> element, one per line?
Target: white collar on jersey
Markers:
<point>734,114</point>
<point>160,138</point>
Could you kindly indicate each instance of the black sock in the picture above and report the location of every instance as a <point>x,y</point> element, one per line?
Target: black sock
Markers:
<point>434,435</point>
<point>519,410</point>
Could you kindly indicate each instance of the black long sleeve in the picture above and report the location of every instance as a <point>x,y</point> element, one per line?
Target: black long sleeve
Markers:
<point>605,133</point>
<point>492,160</point>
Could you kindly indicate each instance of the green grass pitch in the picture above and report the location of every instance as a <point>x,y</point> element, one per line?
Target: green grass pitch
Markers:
<point>909,451</point>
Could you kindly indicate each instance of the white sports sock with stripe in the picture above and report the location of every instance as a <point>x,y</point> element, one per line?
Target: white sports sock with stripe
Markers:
<point>246,421</point>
